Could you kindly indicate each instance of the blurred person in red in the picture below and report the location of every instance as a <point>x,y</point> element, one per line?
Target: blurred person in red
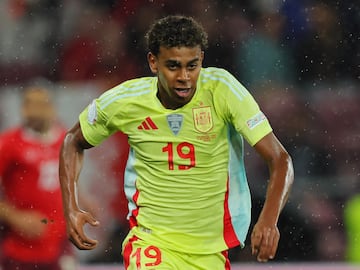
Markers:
<point>31,205</point>
<point>86,56</point>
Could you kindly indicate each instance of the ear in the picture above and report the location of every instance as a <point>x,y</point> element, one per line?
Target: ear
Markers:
<point>152,60</point>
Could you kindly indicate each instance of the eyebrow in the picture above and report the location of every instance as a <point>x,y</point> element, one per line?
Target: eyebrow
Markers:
<point>172,62</point>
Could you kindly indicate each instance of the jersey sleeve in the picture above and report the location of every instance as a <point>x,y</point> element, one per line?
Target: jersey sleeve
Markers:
<point>241,109</point>
<point>95,124</point>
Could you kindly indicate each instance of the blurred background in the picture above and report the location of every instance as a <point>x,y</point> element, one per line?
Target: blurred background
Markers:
<point>300,60</point>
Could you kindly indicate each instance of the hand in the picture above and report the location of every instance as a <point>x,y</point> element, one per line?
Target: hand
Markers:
<point>28,223</point>
<point>264,241</point>
<point>75,227</point>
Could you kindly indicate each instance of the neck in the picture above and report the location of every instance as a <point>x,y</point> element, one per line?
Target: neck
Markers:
<point>46,136</point>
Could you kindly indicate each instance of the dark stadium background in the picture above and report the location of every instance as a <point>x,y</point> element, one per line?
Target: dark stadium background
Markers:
<point>300,59</point>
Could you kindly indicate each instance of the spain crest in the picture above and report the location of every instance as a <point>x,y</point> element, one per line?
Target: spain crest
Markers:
<point>203,121</point>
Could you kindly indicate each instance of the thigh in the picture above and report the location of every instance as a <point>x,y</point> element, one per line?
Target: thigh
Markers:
<point>216,261</point>
<point>138,254</point>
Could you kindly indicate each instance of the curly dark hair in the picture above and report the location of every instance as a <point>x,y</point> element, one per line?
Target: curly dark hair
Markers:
<point>175,31</point>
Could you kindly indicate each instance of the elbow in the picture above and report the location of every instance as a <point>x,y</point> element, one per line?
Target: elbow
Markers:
<point>74,139</point>
<point>288,166</point>
<point>68,144</point>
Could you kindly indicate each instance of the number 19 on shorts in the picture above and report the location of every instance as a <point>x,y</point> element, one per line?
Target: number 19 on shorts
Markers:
<point>185,151</point>
<point>146,256</point>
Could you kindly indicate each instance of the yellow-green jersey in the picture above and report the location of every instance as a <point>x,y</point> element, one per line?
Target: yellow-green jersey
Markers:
<point>185,178</point>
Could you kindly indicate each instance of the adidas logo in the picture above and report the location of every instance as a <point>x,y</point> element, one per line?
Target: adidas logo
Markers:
<point>147,124</point>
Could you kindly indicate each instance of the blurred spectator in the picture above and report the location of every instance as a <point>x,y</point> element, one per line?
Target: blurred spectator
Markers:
<point>90,56</point>
<point>31,205</point>
<point>320,54</point>
<point>262,58</point>
<point>296,25</point>
<point>338,133</point>
<point>349,15</point>
<point>291,119</point>
<point>28,39</point>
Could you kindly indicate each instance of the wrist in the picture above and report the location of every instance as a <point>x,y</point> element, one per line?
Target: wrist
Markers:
<point>269,215</point>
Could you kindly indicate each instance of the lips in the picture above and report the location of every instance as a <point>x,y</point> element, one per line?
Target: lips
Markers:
<point>183,92</point>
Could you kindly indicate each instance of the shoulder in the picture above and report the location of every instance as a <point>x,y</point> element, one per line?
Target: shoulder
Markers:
<point>215,74</point>
<point>127,90</point>
<point>10,134</point>
<point>10,138</point>
<point>217,77</point>
<point>135,86</point>
<point>221,81</point>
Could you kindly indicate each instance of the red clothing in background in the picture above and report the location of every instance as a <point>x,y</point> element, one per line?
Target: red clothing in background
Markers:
<point>29,179</point>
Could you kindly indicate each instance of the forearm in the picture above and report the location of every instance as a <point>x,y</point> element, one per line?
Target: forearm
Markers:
<point>6,211</point>
<point>281,179</point>
<point>71,161</point>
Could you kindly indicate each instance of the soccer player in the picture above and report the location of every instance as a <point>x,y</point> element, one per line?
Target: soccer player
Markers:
<point>189,201</point>
<point>31,203</point>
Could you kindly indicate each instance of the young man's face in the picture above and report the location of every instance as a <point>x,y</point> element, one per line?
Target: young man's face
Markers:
<point>37,110</point>
<point>178,70</point>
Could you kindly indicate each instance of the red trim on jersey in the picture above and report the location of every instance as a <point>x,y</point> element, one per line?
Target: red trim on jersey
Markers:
<point>127,251</point>
<point>225,253</point>
<point>135,212</point>
<point>230,237</point>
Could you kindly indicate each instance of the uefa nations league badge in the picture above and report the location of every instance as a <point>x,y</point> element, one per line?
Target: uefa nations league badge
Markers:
<point>175,122</point>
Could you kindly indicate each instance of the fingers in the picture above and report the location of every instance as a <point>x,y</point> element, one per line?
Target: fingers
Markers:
<point>264,243</point>
<point>82,242</point>
<point>256,238</point>
<point>91,220</point>
<point>77,235</point>
<point>274,245</point>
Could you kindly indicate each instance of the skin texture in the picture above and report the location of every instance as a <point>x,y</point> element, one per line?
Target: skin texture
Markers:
<point>178,68</point>
<point>265,235</point>
<point>71,161</point>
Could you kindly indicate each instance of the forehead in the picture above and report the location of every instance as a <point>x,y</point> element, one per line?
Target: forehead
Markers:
<point>180,53</point>
<point>37,95</point>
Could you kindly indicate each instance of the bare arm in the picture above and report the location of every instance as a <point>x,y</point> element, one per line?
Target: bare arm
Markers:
<point>29,224</point>
<point>71,161</point>
<point>265,235</point>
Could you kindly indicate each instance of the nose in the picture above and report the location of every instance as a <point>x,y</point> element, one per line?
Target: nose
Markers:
<point>184,74</point>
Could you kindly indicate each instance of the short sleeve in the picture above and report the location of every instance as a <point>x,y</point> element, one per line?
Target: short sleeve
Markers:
<point>94,123</point>
<point>241,109</point>
<point>251,122</point>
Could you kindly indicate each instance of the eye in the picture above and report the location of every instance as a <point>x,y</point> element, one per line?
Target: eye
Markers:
<point>172,67</point>
<point>192,66</point>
